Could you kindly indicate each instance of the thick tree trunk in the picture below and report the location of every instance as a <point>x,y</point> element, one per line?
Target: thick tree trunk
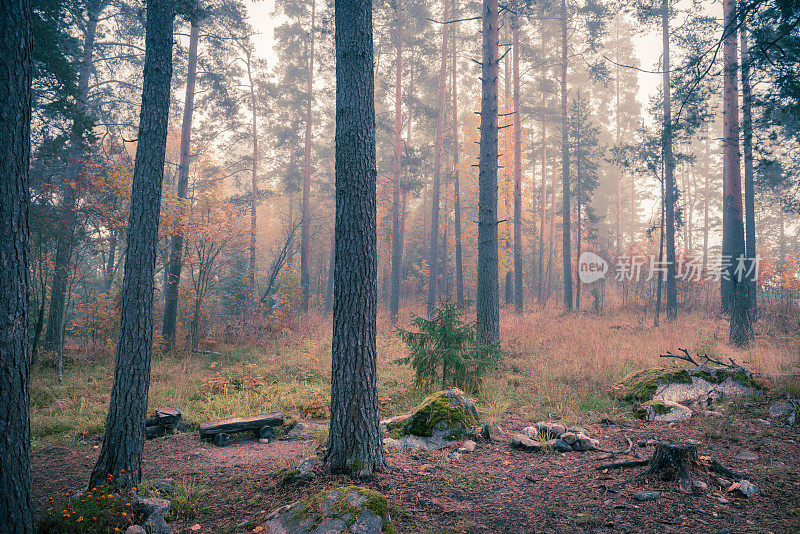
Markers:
<point>578,180</point>
<point>518,297</point>
<point>175,264</point>
<point>457,178</point>
<point>660,277</point>
<point>433,256</point>
<point>488,293</point>
<point>543,210</point>
<point>669,169</point>
<point>565,207</point>
<point>16,513</point>
<point>749,189</point>
<point>306,222</point>
<point>66,235</point>
<point>734,291</point>
<point>354,442</point>
<point>125,424</point>
<point>397,244</point>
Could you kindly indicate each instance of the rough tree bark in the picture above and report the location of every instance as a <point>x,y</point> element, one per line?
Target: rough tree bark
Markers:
<point>397,244</point>
<point>16,513</point>
<point>433,256</point>
<point>354,443</point>
<point>518,297</point>
<point>488,293</point>
<point>125,424</point>
<point>669,170</point>
<point>749,188</point>
<point>565,207</point>
<point>306,221</point>
<point>706,191</point>
<point>456,177</point>
<point>734,290</point>
<point>175,264</point>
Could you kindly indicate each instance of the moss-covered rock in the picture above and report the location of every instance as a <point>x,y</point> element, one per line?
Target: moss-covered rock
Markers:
<point>680,385</point>
<point>663,412</point>
<point>447,415</point>
<point>342,510</point>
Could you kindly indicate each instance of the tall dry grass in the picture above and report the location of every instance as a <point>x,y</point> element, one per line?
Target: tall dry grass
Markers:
<point>554,365</point>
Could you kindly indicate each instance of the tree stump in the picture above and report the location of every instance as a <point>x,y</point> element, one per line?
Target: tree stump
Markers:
<point>674,461</point>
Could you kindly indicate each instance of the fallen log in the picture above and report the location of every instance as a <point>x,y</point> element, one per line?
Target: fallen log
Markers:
<point>232,425</point>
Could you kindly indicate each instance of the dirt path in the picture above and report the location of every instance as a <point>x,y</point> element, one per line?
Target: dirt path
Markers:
<point>494,489</point>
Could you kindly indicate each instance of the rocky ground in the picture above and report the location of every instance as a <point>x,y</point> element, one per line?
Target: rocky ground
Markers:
<point>495,488</point>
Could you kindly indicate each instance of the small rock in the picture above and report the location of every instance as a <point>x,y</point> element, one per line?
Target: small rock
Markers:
<point>222,440</point>
<point>643,496</point>
<point>486,432</point>
<point>747,456</point>
<point>151,506</point>
<point>165,485</point>
<point>266,432</point>
<point>699,485</point>
<point>184,426</point>
<point>558,445</point>
<point>263,440</point>
<point>747,488</point>
<point>763,422</point>
<point>531,432</point>
<point>585,443</point>
<point>394,443</point>
<point>453,456</point>
<point>135,529</point>
<point>723,482</point>
<point>676,412</point>
<point>784,411</point>
<point>156,524</point>
<point>569,437</point>
<point>578,430</point>
<point>303,472</point>
<point>554,429</point>
<point>523,442</point>
<point>724,531</point>
<point>468,446</point>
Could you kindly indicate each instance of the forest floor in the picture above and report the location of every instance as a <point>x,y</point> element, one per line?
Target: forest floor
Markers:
<point>555,367</point>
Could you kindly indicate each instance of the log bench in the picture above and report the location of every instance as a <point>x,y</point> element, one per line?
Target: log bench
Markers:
<point>231,425</point>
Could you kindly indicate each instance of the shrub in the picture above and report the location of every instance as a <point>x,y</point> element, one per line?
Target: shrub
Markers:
<point>444,350</point>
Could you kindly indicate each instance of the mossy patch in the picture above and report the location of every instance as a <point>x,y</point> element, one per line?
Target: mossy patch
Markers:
<point>440,413</point>
<point>342,508</point>
<point>661,408</point>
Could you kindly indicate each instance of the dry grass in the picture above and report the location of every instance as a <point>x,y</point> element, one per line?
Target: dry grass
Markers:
<point>554,365</point>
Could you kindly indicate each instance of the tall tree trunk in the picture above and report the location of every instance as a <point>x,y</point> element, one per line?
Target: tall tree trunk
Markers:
<point>706,191</point>
<point>66,235</point>
<point>669,170</point>
<point>354,443</point>
<point>488,293</point>
<point>660,278</point>
<point>433,257</point>
<point>124,434</point>
<point>175,264</point>
<point>552,232</point>
<point>517,166</point>
<point>456,177</point>
<point>749,189</point>
<point>397,244</point>
<point>16,44</point>
<point>543,210</point>
<point>108,277</point>
<point>251,272</point>
<point>304,229</point>
<point>578,180</point>
<point>565,208</point>
<point>617,144</point>
<point>331,267</point>
<point>733,245</point>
